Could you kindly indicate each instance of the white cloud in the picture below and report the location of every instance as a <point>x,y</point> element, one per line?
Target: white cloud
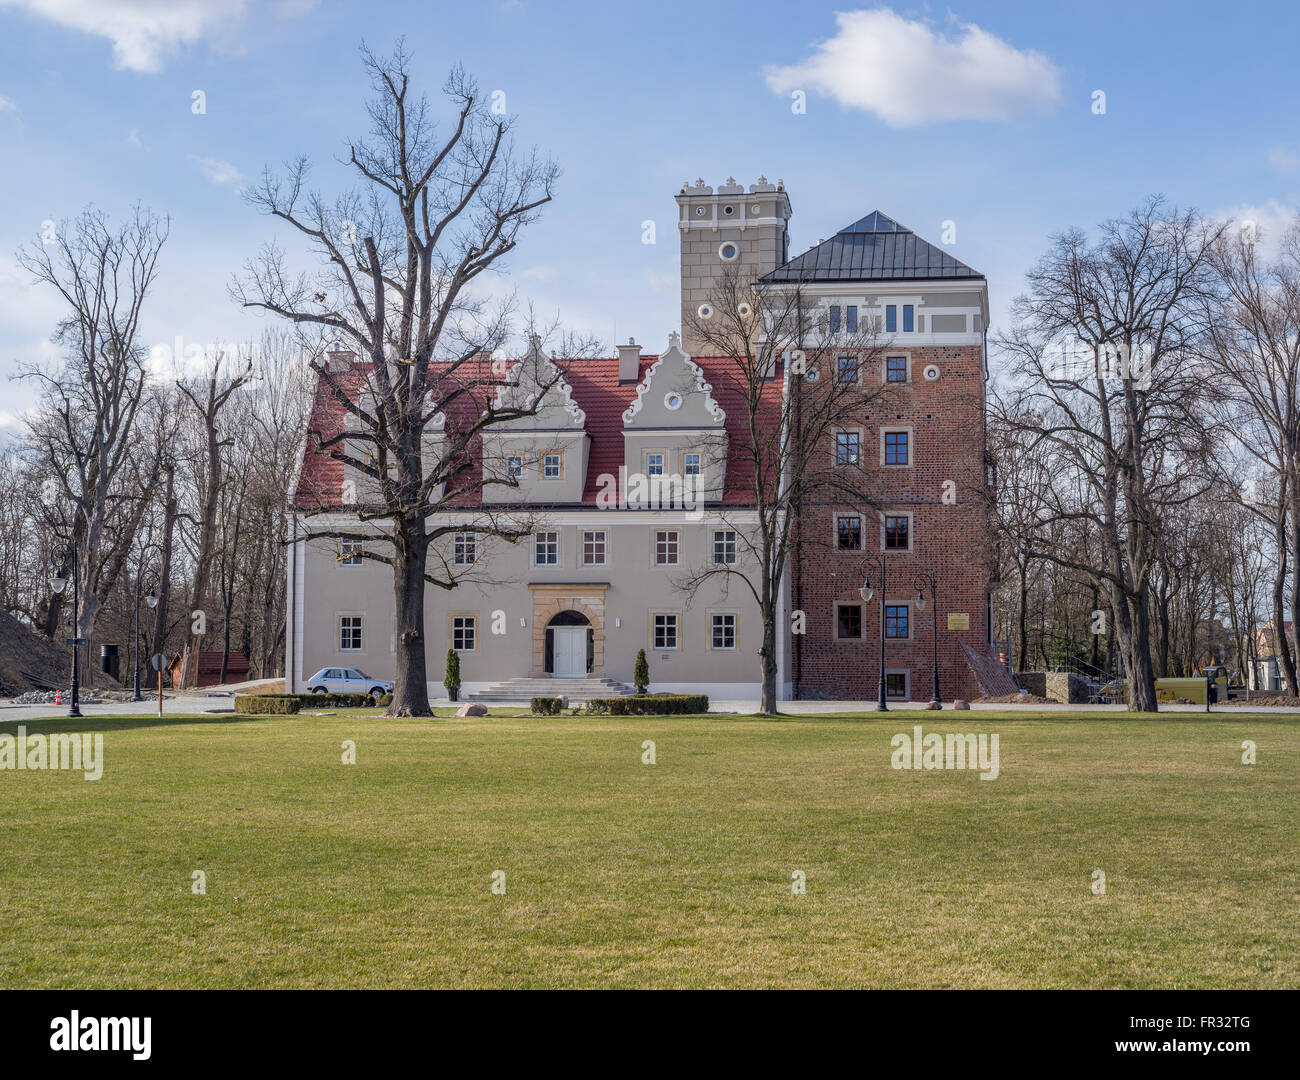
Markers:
<point>908,74</point>
<point>1284,158</point>
<point>1269,222</point>
<point>539,273</point>
<point>8,104</point>
<point>219,172</point>
<point>145,32</point>
<point>661,282</point>
<point>134,138</point>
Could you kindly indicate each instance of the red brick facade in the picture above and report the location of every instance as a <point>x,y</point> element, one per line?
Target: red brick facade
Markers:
<point>943,491</point>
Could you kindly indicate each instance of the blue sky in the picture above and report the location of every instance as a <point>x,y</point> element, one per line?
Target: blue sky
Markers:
<point>908,110</point>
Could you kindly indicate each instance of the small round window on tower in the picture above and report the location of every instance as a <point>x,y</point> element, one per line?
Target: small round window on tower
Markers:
<point>704,311</point>
<point>728,210</point>
<point>699,211</point>
<point>728,252</point>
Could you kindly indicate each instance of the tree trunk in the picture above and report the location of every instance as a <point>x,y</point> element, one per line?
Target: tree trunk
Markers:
<point>1281,644</point>
<point>767,654</point>
<point>170,511</point>
<point>1022,628</point>
<point>411,692</point>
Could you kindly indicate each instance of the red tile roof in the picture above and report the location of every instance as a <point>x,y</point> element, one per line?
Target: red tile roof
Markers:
<point>597,391</point>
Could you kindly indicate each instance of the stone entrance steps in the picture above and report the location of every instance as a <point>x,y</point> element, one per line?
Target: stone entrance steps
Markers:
<point>574,689</point>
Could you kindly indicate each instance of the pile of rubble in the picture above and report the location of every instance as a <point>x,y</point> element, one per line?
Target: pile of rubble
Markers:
<point>46,697</point>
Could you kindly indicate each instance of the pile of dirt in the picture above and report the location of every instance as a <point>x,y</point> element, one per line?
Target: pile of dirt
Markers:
<point>1287,700</point>
<point>30,662</point>
<point>1018,699</point>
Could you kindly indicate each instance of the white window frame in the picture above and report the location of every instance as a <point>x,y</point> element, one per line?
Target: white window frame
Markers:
<point>719,538</point>
<point>346,558</point>
<point>537,542</point>
<point>469,624</point>
<point>714,618</point>
<point>603,544</point>
<point>464,549</point>
<point>675,544</point>
<point>676,624</point>
<point>359,629</point>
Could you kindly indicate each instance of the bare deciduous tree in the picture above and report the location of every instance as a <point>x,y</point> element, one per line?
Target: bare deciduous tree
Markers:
<point>440,208</point>
<point>784,447</point>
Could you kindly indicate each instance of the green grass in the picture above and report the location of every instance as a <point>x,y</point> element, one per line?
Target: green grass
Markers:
<point>622,874</point>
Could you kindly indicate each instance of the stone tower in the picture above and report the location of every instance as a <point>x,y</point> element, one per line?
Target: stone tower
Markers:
<point>724,227</point>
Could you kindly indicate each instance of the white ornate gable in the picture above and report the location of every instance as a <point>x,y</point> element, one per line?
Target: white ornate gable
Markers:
<point>684,389</point>
<point>537,380</point>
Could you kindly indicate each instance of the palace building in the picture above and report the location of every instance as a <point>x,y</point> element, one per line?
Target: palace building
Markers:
<point>600,575</point>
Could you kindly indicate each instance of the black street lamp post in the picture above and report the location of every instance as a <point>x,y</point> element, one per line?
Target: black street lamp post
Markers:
<point>866,593</point>
<point>59,584</point>
<point>925,579</point>
<point>152,601</point>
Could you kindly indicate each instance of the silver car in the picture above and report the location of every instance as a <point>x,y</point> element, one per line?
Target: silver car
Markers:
<point>346,680</point>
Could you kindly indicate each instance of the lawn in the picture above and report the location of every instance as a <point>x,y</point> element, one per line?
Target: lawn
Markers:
<point>621,874</point>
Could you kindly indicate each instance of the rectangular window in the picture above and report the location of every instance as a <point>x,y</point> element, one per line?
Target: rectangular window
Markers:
<point>691,464</point>
<point>909,317</point>
<point>463,629</point>
<point>514,467</point>
<point>546,549</point>
<point>724,547</point>
<point>849,530</point>
<point>552,466</point>
<point>849,621</point>
<point>724,631</point>
<point>896,368</point>
<point>593,548</point>
<point>848,369</point>
<point>897,532</point>
<point>350,552</point>
<point>654,464</point>
<point>896,448</point>
<point>851,318</point>
<point>350,638</point>
<point>666,547</point>
<point>891,319</point>
<point>846,447</point>
<point>896,685</point>
<point>896,621</point>
<point>463,549</point>
<point>835,318</point>
<point>665,631</point>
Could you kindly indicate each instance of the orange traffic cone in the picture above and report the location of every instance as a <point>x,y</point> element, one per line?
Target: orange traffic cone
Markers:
<point>58,697</point>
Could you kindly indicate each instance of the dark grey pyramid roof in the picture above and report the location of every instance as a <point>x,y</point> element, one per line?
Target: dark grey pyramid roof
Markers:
<point>874,248</point>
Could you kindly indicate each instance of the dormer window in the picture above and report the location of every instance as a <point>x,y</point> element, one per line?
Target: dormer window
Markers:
<point>691,464</point>
<point>891,319</point>
<point>514,467</point>
<point>654,464</point>
<point>552,466</point>
<point>851,318</point>
<point>835,318</point>
<point>909,318</point>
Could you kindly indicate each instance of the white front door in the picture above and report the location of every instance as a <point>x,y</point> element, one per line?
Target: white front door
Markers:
<point>570,644</point>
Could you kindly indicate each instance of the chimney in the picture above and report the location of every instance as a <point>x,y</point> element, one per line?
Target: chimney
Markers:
<point>629,361</point>
<point>338,359</point>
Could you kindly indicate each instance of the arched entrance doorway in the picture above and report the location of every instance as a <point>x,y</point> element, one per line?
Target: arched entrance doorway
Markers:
<point>570,645</point>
